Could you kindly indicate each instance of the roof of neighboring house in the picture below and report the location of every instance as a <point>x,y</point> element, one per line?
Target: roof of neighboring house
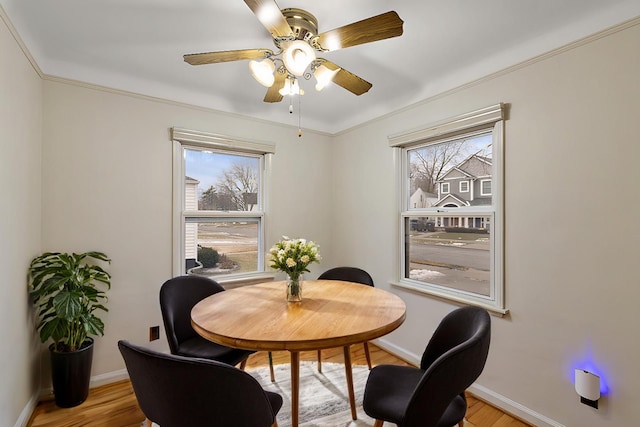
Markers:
<point>451,198</point>
<point>456,172</point>
<point>190,180</point>
<point>474,166</point>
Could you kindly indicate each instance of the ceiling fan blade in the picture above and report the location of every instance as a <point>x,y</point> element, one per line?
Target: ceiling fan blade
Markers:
<point>226,56</point>
<point>273,93</point>
<point>348,80</point>
<point>269,14</point>
<point>380,27</point>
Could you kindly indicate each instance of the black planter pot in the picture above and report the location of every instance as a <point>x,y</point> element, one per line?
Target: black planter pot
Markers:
<point>70,374</point>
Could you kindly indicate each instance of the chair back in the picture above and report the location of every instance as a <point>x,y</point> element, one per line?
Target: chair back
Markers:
<point>176,391</point>
<point>348,274</point>
<point>177,297</point>
<point>454,358</point>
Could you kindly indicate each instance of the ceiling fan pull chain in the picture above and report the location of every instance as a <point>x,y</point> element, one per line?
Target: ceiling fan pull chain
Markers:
<point>299,127</point>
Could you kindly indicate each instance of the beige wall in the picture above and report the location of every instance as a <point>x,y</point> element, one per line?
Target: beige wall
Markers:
<point>107,186</point>
<point>20,164</point>
<point>572,211</point>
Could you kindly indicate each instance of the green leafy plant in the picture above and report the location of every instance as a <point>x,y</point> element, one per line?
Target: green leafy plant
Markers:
<point>66,291</point>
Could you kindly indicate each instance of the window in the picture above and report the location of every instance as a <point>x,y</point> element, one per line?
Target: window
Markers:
<point>452,247</point>
<point>219,199</point>
<point>485,187</point>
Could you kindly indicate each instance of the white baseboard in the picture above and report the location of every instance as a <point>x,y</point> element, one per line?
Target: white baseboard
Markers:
<point>398,351</point>
<point>496,399</point>
<point>108,378</point>
<point>25,415</point>
<point>512,407</point>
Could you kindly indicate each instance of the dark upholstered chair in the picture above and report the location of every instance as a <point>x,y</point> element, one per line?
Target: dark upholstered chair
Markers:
<point>433,395</point>
<point>348,274</point>
<point>177,297</point>
<point>176,391</point>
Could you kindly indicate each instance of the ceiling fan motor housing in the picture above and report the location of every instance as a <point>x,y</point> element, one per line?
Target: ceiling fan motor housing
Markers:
<point>303,24</point>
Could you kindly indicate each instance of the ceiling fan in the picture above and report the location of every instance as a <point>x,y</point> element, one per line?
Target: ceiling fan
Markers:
<point>295,35</point>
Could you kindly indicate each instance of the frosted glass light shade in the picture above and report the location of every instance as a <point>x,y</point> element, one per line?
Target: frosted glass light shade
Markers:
<point>263,71</point>
<point>297,56</point>
<point>324,76</point>
<point>291,87</point>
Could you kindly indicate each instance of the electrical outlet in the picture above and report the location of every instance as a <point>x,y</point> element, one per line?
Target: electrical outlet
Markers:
<point>154,333</point>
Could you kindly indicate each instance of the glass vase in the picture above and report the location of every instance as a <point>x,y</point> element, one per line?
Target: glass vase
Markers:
<point>294,289</point>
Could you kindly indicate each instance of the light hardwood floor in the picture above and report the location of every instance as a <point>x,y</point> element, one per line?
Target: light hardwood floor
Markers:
<point>114,405</point>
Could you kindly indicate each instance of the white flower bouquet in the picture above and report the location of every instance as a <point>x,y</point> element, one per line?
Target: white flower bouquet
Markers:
<point>293,256</point>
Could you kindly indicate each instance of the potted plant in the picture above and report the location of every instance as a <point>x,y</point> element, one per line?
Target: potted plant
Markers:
<point>66,290</point>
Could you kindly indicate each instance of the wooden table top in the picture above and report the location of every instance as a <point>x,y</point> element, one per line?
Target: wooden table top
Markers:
<point>332,314</point>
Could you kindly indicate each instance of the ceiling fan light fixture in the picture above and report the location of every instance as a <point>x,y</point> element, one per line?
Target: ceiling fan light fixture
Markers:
<point>291,87</point>
<point>324,76</point>
<point>297,56</point>
<point>263,71</point>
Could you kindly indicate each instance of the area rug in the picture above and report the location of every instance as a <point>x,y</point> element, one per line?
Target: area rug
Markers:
<point>324,399</point>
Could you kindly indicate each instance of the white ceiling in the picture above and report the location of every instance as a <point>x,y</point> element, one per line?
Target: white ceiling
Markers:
<point>137,45</point>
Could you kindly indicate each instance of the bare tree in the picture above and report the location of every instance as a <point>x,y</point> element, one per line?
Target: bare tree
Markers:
<point>429,164</point>
<point>239,185</point>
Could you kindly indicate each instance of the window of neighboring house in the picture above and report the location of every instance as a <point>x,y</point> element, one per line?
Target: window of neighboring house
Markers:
<point>485,187</point>
<point>454,247</point>
<point>219,194</point>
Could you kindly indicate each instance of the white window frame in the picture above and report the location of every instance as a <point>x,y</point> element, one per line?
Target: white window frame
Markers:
<point>189,139</point>
<point>463,190</point>
<point>448,187</point>
<point>490,118</point>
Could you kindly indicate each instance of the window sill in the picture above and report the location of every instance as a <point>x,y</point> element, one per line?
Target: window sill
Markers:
<point>449,297</point>
<point>254,279</point>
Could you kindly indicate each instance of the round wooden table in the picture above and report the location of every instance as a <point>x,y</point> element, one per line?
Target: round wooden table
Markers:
<point>332,313</point>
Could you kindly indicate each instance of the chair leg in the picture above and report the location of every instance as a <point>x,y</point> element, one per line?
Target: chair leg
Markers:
<point>273,375</point>
<point>367,354</point>
<point>243,364</point>
<point>378,423</point>
<point>461,423</point>
<point>319,360</point>
<point>149,423</point>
